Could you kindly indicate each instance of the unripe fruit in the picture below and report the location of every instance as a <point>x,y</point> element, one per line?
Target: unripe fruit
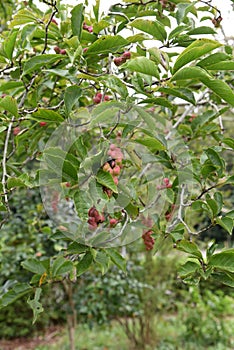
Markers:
<point>97,98</point>
<point>100,219</point>
<point>106,98</point>
<point>116,170</point>
<point>57,49</point>
<point>42,124</point>
<point>126,55</point>
<point>106,167</point>
<point>16,130</point>
<point>93,212</point>
<point>68,184</point>
<point>119,60</point>
<point>113,222</point>
<point>63,52</point>
<point>116,181</point>
<point>168,216</point>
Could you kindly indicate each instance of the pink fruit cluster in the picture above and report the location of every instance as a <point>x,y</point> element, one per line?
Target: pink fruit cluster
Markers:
<point>120,60</point>
<point>148,240</point>
<point>113,166</point>
<point>88,28</point>
<point>95,218</point>
<point>99,96</point>
<point>166,184</point>
<point>60,51</point>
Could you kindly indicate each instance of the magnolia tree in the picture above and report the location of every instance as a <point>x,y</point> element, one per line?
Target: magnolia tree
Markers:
<point>120,120</point>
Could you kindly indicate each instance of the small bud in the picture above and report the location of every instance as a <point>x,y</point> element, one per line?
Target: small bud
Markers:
<point>42,124</point>
<point>54,21</point>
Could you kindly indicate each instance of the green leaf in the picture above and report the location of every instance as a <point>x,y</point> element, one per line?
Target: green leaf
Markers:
<point>148,119</point>
<point>227,223</point>
<point>47,115</point>
<point>15,182</point>
<point>228,141</point>
<point>152,143</point>
<point>22,17</point>
<point>71,96</point>
<point>18,291</point>
<point>61,266</point>
<point>9,104</point>
<point>183,93</point>
<point>105,179</point>
<point>182,10</point>
<point>9,85</point>
<point>197,49</point>
<point>188,269</point>
<point>224,277</point>
<point>39,61</point>
<point>142,65</point>
<point>219,200</point>
<point>191,73</point>
<point>213,59</point>
<point>35,305</point>
<point>155,28</point>
<point>77,20</point>
<point>76,248</point>
<point>215,159</point>
<point>96,9</point>
<point>103,260</point>
<point>107,44</point>
<point>85,263</point>
<point>9,44</point>
<point>213,205</point>
<point>224,65</point>
<point>2,128</point>
<point>81,199</point>
<point>107,114</point>
<point>115,84</point>
<point>34,266</point>
<point>201,30</point>
<point>190,248</point>
<point>223,260</point>
<point>217,86</point>
<point>116,258</point>
<point>221,89</point>
<point>175,32</point>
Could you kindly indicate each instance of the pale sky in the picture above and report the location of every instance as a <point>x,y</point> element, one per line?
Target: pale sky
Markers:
<point>225,8</point>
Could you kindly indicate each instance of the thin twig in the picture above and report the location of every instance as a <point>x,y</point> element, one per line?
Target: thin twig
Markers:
<point>4,171</point>
<point>47,25</point>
